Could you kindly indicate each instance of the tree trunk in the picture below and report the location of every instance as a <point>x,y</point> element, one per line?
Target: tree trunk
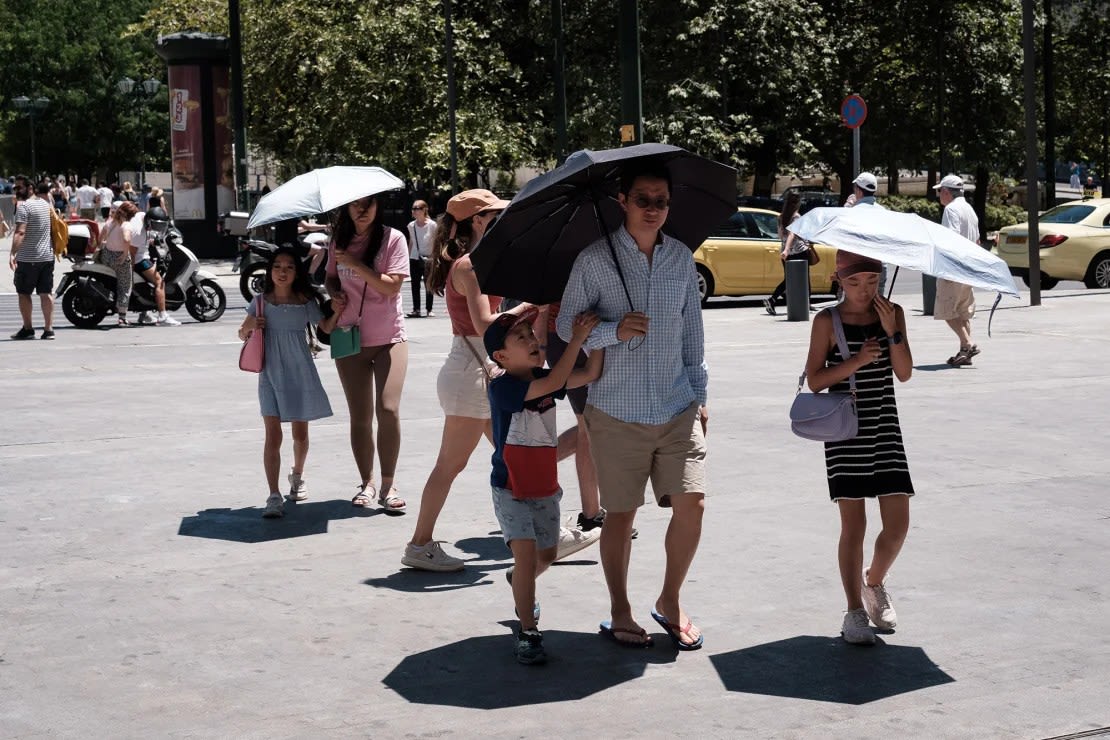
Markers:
<point>930,181</point>
<point>892,180</point>
<point>766,168</point>
<point>982,184</point>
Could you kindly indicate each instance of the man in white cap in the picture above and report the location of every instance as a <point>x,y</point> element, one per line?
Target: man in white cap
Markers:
<point>955,303</point>
<point>863,194</point>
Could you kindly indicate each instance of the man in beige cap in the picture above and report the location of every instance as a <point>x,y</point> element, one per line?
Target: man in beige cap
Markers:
<point>955,302</point>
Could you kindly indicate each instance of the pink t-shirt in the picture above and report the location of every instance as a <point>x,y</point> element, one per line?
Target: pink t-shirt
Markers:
<point>382,316</point>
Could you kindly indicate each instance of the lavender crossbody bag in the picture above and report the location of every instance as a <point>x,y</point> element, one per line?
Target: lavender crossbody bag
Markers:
<point>826,417</point>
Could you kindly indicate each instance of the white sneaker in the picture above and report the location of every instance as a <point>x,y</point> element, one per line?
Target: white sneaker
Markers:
<point>430,557</point>
<point>167,320</point>
<point>856,629</point>
<point>876,600</point>
<point>298,491</point>
<point>145,318</point>
<point>573,540</point>
<point>275,507</point>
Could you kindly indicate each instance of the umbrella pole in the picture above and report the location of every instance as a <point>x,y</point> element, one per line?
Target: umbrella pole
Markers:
<point>890,290</point>
<point>613,251</point>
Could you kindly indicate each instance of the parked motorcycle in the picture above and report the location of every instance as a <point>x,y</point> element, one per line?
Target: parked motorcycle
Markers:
<point>88,291</point>
<point>254,255</point>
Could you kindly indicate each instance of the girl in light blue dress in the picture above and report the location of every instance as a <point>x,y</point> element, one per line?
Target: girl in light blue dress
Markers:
<point>289,388</point>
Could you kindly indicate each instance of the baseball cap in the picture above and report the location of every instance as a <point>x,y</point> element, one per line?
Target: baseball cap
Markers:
<point>848,264</point>
<point>494,338</point>
<point>469,203</point>
<point>866,181</point>
<point>955,182</point>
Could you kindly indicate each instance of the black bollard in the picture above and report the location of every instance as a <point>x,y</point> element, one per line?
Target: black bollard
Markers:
<point>928,294</point>
<point>797,290</point>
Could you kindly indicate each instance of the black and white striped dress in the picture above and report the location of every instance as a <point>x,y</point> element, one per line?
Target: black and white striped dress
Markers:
<point>874,462</point>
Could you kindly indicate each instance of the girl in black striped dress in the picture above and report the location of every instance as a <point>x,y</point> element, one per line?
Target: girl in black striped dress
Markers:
<point>873,464</point>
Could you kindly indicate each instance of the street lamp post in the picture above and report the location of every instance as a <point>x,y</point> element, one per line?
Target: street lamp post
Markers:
<point>31,108</point>
<point>140,93</point>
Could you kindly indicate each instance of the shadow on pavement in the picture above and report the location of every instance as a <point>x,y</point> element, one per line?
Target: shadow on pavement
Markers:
<point>936,367</point>
<point>481,672</point>
<point>828,669</point>
<point>247,525</point>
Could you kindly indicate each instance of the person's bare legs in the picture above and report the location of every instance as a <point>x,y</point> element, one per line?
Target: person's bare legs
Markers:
<point>461,435</point>
<point>528,560</point>
<point>616,550</point>
<point>962,327</point>
<point>576,441</point>
<point>853,527</point>
<point>681,543</point>
<point>390,366</point>
<point>357,378</point>
<point>271,452</point>
<point>25,310</point>
<point>47,301</point>
<point>895,512</point>
<point>300,446</point>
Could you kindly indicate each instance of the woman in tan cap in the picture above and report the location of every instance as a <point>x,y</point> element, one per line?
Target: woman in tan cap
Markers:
<point>871,465</point>
<point>462,381</point>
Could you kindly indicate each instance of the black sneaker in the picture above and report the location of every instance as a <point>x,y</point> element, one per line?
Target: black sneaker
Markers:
<point>529,648</point>
<point>24,333</point>
<point>597,521</point>
<point>47,334</point>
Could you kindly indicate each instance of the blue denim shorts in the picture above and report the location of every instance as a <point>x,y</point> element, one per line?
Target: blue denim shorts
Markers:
<point>528,518</point>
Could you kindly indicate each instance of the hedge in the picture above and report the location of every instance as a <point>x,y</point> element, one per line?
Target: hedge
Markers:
<point>997,216</point>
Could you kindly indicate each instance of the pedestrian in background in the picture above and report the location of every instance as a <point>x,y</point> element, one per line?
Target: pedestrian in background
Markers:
<point>289,387</point>
<point>955,302</point>
<point>32,257</point>
<point>872,465</point>
<point>793,247</point>
<point>367,265</point>
<point>87,200</point>
<point>116,239</point>
<point>863,194</point>
<point>421,234</point>
<point>105,198</point>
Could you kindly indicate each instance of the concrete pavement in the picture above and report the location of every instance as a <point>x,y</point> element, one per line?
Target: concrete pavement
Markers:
<point>141,595</point>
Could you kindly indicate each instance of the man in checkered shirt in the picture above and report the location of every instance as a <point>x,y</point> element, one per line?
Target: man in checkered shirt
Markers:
<point>647,413</point>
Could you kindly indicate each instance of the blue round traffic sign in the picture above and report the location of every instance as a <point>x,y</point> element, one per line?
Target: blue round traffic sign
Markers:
<point>853,111</point>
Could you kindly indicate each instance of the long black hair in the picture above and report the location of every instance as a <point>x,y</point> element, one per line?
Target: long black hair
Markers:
<point>789,208</point>
<point>301,284</point>
<point>345,231</point>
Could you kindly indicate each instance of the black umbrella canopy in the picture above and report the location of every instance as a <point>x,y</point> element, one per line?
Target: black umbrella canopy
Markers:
<point>529,251</point>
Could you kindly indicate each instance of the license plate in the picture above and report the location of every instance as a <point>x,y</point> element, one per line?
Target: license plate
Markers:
<point>1016,239</point>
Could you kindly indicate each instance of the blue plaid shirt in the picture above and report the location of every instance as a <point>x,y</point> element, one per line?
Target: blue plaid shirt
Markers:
<point>664,374</point>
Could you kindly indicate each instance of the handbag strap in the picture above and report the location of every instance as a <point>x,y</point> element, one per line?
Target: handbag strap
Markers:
<point>478,357</point>
<point>842,345</point>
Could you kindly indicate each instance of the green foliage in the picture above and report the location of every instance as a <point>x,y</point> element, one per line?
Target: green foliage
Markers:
<point>998,216</point>
<point>929,209</point>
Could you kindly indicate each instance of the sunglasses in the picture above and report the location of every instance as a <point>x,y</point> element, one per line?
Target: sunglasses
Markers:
<point>419,208</point>
<point>644,203</point>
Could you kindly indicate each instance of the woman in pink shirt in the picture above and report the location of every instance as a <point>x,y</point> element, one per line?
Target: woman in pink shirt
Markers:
<point>367,264</point>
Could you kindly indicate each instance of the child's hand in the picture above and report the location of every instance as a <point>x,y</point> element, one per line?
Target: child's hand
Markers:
<point>888,316</point>
<point>584,323</point>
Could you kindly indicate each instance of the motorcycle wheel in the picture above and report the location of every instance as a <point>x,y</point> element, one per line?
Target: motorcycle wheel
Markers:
<point>80,311</point>
<point>251,281</point>
<point>207,303</point>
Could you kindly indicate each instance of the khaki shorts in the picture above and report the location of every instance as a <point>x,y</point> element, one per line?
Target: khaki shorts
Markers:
<point>955,301</point>
<point>461,384</point>
<point>627,455</point>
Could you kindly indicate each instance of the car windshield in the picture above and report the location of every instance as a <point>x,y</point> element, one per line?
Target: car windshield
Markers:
<point>1066,214</point>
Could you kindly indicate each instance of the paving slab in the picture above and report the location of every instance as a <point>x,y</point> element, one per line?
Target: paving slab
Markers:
<point>141,594</point>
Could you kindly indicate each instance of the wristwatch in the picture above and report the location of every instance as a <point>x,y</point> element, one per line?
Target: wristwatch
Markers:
<point>896,338</point>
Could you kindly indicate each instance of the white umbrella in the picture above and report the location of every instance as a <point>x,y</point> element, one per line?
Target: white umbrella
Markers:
<point>320,191</point>
<point>907,240</point>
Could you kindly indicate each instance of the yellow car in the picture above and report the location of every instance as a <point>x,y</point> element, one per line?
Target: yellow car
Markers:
<point>742,258</point>
<point>1074,241</point>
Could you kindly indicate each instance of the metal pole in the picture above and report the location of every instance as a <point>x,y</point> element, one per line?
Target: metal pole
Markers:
<point>34,169</point>
<point>559,80</point>
<point>238,107</point>
<point>1031,200</point>
<point>855,152</point>
<point>449,41</point>
<point>1049,111</point>
<point>632,108</point>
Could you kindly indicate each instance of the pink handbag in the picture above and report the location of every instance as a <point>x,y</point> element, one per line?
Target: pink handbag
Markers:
<point>253,354</point>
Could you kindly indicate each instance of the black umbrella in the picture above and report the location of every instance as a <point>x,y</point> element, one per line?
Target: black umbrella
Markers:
<point>529,251</point>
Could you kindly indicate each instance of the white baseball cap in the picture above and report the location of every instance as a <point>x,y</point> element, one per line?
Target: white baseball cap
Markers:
<point>866,181</point>
<point>954,182</point>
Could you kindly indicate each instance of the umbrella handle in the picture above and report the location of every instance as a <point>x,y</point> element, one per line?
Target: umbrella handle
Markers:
<point>893,277</point>
<point>612,251</point>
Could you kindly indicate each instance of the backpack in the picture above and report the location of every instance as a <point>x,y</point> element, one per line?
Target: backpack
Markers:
<point>59,235</point>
